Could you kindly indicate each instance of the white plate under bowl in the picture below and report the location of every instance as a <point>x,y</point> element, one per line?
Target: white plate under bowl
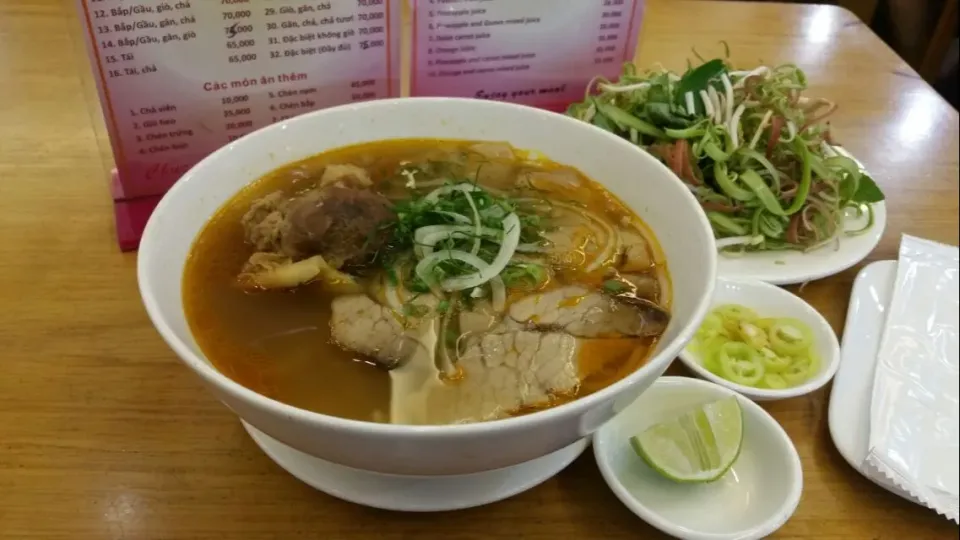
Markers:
<point>852,394</point>
<point>789,267</point>
<point>415,493</point>
<point>756,496</point>
<point>772,301</point>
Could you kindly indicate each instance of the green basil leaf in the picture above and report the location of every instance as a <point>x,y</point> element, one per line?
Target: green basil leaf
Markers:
<point>867,191</point>
<point>603,122</point>
<point>698,79</point>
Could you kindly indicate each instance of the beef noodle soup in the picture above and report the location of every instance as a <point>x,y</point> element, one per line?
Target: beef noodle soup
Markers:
<point>426,282</point>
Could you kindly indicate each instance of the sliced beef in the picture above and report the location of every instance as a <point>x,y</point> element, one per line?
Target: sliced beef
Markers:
<point>360,324</point>
<point>503,372</point>
<point>588,313</point>
<point>407,348</point>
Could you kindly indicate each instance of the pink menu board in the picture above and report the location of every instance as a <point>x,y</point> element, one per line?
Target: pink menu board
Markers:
<point>535,52</point>
<point>180,78</point>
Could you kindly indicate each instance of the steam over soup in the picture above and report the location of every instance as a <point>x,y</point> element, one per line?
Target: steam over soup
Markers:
<point>426,282</point>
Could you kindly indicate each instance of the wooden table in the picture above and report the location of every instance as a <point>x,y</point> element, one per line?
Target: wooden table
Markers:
<point>104,435</point>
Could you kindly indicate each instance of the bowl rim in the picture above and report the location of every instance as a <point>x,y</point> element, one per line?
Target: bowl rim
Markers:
<point>148,258</point>
<point>827,370</point>
<point>602,451</point>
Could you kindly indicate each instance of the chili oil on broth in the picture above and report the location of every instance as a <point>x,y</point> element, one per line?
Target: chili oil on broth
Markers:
<point>278,343</point>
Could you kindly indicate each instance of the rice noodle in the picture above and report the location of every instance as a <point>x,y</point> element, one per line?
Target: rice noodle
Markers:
<point>499,293</point>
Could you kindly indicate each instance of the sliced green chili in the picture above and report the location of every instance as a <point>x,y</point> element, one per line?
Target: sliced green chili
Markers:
<point>762,191</point>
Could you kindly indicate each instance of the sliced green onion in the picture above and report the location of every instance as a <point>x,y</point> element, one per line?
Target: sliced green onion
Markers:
<point>715,153</point>
<point>804,188</point>
<point>726,224</point>
<point>728,186</point>
<point>763,193</point>
<point>627,120</point>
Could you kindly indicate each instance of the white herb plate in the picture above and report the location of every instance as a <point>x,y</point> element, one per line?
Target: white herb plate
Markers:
<point>789,267</point>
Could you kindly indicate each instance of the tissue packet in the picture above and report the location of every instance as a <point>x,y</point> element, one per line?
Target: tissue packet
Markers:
<point>915,420</point>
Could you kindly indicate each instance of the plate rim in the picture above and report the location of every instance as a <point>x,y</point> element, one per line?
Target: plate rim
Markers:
<point>880,224</point>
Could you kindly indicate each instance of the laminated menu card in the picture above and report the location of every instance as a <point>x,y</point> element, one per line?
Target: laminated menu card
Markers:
<point>534,52</point>
<point>178,79</point>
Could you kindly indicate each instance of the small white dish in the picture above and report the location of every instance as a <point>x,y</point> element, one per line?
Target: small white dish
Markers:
<point>852,394</point>
<point>772,301</point>
<point>752,500</point>
<point>790,267</point>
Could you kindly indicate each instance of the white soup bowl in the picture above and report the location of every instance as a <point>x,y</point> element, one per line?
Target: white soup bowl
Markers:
<point>638,179</point>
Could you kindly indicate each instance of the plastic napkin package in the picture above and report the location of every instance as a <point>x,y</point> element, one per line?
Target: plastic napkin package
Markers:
<point>915,419</point>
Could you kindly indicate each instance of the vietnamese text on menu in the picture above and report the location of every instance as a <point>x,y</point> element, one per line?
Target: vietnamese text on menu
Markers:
<point>180,78</point>
<point>535,52</point>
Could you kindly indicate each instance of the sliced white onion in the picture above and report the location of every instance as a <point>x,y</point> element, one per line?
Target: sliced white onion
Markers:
<point>625,88</point>
<point>761,127</point>
<point>739,240</point>
<point>477,224</point>
<point>511,237</point>
<point>728,90</point>
<point>426,238</point>
<point>707,103</point>
<point>499,294</point>
<point>791,132</point>
<point>717,105</point>
<point>734,125</point>
<point>744,75</point>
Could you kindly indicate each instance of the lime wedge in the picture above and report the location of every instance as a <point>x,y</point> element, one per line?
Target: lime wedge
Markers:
<point>698,446</point>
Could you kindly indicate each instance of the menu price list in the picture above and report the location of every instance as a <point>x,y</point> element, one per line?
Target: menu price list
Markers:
<point>536,52</point>
<point>180,78</point>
